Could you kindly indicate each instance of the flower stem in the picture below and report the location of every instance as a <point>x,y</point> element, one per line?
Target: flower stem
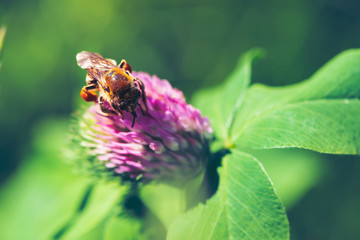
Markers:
<point>165,201</point>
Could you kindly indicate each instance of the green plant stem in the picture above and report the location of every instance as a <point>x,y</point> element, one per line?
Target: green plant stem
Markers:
<point>80,209</point>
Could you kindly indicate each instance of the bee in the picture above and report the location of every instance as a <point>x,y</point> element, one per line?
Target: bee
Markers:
<point>111,83</point>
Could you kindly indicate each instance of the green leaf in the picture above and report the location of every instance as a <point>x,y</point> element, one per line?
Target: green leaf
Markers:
<point>95,233</point>
<point>328,126</point>
<point>236,85</point>
<point>244,207</point>
<point>339,78</point>
<point>43,194</point>
<point>207,102</point>
<point>117,226</point>
<point>293,171</point>
<point>103,200</point>
<point>220,104</point>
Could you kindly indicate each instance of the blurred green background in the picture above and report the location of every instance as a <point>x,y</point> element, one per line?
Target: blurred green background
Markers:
<point>193,44</point>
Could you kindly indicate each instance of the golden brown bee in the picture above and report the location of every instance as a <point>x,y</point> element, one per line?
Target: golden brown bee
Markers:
<point>113,84</point>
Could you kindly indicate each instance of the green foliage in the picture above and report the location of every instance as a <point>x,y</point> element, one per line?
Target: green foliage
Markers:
<point>293,171</point>
<point>102,201</point>
<point>330,126</point>
<point>39,77</point>
<point>319,114</point>
<point>44,192</point>
<point>226,99</point>
<point>337,79</point>
<point>244,207</point>
<point>49,201</point>
<point>301,115</point>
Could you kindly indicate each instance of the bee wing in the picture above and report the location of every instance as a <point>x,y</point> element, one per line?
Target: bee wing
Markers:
<point>87,60</point>
<point>95,64</point>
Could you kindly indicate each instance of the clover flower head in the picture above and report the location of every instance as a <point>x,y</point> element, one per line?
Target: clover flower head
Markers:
<point>170,141</point>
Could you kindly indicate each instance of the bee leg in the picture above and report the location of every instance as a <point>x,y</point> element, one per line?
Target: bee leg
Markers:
<point>92,87</point>
<point>132,111</point>
<point>134,117</point>
<point>90,80</point>
<point>143,94</point>
<point>125,66</point>
<point>117,109</point>
<point>88,93</point>
<point>106,110</point>
<point>142,111</point>
<point>103,108</point>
